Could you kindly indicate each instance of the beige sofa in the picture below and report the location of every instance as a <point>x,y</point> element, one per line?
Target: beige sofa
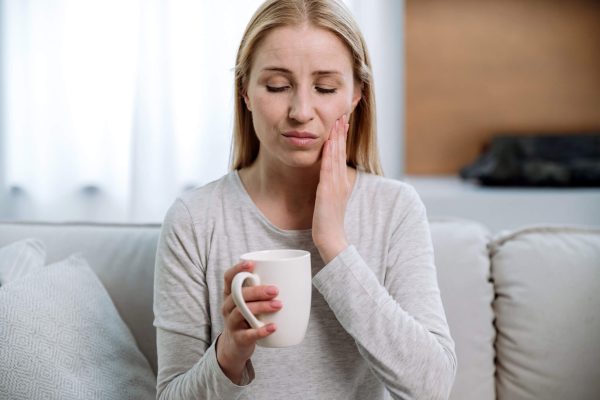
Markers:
<point>523,306</point>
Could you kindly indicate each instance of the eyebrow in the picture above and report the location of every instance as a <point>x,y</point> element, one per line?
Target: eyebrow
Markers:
<point>288,72</point>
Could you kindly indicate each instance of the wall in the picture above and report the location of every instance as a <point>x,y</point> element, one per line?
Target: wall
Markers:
<point>476,68</point>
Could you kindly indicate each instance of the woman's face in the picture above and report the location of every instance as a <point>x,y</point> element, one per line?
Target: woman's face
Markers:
<point>301,81</point>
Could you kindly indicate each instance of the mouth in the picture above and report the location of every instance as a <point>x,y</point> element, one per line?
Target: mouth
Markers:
<point>300,139</point>
<point>300,135</point>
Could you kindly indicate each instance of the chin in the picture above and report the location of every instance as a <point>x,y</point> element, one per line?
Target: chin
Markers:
<point>303,160</point>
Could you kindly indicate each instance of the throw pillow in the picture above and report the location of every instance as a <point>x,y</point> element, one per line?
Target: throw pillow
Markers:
<point>20,258</point>
<point>61,337</point>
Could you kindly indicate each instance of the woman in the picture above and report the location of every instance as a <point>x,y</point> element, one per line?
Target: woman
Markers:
<point>305,176</point>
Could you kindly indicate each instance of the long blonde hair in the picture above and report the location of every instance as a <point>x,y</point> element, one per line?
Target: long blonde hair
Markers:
<point>333,16</point>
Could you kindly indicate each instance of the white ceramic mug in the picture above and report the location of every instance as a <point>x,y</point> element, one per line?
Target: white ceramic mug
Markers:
<point>290,272</point>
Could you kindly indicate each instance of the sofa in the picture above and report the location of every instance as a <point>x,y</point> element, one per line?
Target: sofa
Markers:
<point>523,308</point>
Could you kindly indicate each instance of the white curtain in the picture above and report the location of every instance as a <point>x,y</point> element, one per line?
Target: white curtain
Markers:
<point>111,108</point>
<point>382,24</point>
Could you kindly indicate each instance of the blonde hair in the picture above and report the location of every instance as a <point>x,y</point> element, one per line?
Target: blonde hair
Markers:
<point>333,16</point>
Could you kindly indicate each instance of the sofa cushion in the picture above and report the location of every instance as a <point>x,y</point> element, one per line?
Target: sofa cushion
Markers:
<point>20,258</point>
<point>62,338</point>
<point>547,313</point>
<point>463,266</point>
<point>122,256</point>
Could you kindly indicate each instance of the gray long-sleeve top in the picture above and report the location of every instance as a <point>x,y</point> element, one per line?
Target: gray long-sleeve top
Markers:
<point>377,323</point>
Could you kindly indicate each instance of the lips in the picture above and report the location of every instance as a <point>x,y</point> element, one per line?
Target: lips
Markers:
<point>300,139</point>
<point>300,135</point>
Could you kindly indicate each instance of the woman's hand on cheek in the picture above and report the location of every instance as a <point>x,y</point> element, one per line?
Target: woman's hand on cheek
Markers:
<point>333,191</point>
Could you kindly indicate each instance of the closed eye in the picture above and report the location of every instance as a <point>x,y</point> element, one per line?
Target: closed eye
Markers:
<point>277,89</point>
<point>325,91</point>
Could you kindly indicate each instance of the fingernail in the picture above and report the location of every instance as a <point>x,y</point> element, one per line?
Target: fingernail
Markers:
<point>272,290</point>
<point>276,304</point>
<point>245,265</point>
<point>271,328</point>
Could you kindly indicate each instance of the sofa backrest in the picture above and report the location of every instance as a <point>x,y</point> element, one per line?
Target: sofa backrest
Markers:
<point>123,258</point>
<point>463,267</point>
<point>522,306</point>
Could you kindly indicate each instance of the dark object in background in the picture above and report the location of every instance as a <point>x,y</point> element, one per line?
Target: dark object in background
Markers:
<point>539,160</point>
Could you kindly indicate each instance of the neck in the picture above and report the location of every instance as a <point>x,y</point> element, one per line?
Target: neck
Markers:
<point>295,187</point>
<point>285,195</point>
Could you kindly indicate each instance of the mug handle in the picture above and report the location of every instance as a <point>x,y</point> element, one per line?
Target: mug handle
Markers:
<point>238,298</point>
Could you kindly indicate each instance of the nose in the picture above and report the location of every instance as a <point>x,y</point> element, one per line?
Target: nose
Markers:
<point>301,108</point>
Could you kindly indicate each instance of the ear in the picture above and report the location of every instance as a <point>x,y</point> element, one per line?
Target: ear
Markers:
<point>357,95</point>
<point>247,100</point>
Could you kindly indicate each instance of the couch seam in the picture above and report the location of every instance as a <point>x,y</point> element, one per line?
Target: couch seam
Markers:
<point>503,237</point>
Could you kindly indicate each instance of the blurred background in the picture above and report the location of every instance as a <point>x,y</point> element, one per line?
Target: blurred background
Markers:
<point>524,72</point>
<point>109,109</point>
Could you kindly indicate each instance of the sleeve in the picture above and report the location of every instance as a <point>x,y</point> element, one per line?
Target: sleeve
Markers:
<point>187,361</point>
<point>399,326</point>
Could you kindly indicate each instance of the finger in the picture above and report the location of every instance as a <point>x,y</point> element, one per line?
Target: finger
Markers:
<point>325,160</point>
<point>235,320</point>
<point>248,337</point>
<point>331,148</point>
<point>346,177</point>
<point>231,272</point>
<point>252,293</point>
<point>347,126</point>
<point>340,159</point>
<point>335,152</point>
<point>346,133</point>
<point>343,147</point>
<point>342,144</point>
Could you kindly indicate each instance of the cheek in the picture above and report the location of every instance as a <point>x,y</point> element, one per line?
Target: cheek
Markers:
<point>267,108</point>
<point>333,109</point>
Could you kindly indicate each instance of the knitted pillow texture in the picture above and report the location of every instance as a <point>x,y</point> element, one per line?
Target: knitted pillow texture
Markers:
<point>61,337</point>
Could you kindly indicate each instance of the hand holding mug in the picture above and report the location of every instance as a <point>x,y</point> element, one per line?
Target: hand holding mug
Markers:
<point>290,272</point>
<point>236,344</point>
